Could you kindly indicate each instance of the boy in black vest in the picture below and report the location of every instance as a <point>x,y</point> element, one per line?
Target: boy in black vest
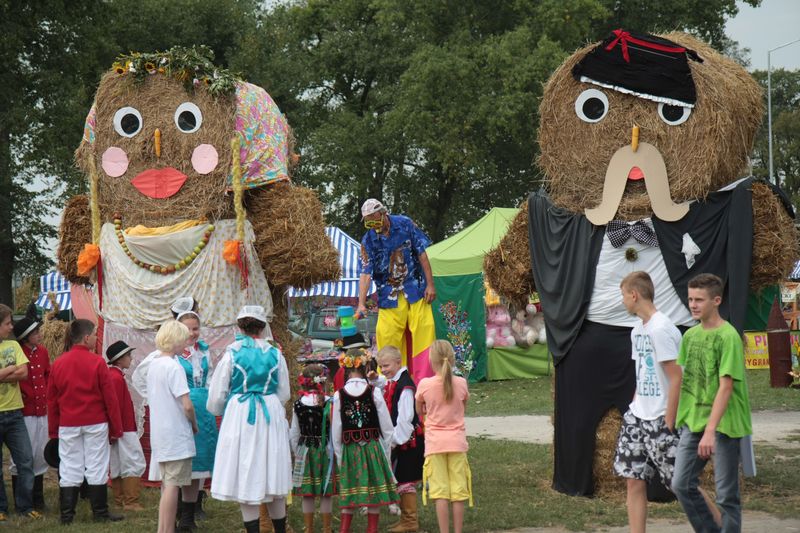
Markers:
<point>408,442</point>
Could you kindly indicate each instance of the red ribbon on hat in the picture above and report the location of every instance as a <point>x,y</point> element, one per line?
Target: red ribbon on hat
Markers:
<point>624,37</point>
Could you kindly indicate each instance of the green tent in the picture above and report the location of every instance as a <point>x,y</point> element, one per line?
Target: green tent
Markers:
<point>459,311</point>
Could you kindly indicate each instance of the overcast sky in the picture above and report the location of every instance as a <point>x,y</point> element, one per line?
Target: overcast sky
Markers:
<point>773,23</point>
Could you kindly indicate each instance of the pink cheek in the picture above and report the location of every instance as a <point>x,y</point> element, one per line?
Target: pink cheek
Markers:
<point>115,162</point>
<point>204,159</point>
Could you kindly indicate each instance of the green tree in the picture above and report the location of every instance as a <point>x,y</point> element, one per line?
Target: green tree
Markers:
<point>53,54</point>
<point>785,132</point>
<point>432,106</point>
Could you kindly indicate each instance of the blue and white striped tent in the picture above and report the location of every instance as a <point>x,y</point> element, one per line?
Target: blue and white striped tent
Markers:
<point>795,275</point>
<point>56,283</point>
<point>349,256</point>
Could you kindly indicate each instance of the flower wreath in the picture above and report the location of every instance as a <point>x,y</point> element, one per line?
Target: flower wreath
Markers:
<point>355,361</point>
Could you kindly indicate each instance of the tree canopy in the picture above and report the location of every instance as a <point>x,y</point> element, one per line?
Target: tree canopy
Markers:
<point>429,106</point>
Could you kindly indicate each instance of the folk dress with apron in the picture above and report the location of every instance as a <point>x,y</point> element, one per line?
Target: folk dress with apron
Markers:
<point>253,462</point>
<point>195,362</point>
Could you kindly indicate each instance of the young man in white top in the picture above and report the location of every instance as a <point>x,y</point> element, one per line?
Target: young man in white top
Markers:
<point>172,420</point>
<point>647,438</point>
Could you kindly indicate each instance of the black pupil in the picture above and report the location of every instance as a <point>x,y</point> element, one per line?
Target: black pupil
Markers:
<point>594,108</point>
<point>130,123</point>
<point>672,112</point>
<point>187,121</point>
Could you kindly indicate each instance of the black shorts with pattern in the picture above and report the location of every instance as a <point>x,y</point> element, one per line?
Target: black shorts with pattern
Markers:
<point>645,447</point>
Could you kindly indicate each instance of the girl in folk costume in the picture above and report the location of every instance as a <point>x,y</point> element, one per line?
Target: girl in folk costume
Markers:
<point>253,462</point>
<point>34,411</point>
<point>196,362</point>
<point>362,433</point>
<point>309,436</point>
<point>127,458</point>
<point>442,401</point>
<point>408,441</point>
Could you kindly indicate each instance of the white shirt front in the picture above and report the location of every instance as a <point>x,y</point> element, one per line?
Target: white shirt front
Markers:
<point>139,376</point>
<point>651,344</point>
<point>605,306</point>
<point>171,435</point>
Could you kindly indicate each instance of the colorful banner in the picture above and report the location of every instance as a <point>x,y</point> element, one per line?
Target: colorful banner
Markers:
<point>756,349</point>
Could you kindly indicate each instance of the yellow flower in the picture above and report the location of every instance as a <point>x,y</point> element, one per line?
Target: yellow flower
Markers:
<point>150,67</point>
<point>118,68</point>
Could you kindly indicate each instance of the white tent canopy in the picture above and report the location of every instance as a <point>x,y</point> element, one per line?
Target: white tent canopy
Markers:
<point>349,256</point>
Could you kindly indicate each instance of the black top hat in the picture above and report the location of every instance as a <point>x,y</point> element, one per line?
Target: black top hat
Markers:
<point>51,453</point>
<point>643,65</point>
<point>117,350</point>
<point>355,340</point>
<point>24,327</point>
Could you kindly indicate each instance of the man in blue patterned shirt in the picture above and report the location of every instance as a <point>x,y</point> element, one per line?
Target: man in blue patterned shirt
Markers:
<point>393,256</point>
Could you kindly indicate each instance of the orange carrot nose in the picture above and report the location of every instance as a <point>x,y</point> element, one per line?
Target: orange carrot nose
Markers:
<point>634,137</point>
<point>157,138</point>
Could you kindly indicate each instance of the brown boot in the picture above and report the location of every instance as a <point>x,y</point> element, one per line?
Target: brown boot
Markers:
<point>408,519</point>
<point>118,491</point>
<point>308,522</point>
<point>264,521</point>
<point>130,488</point>
<point>326,523</point>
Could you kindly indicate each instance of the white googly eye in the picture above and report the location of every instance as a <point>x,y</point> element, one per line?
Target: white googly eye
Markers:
<point>127,121</point>
<point>673,114</point>
<point>591,106</point>
<point>188,117</point>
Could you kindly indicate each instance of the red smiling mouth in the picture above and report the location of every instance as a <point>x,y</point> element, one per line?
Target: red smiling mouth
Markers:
<point>635,174</point>
<point>159,182</point>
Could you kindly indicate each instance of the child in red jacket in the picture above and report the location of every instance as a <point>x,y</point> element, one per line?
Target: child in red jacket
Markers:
<point>127,457</point>
<point>34,395</point>
<point>83,415</point>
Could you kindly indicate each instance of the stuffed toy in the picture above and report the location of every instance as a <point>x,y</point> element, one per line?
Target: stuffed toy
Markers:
<point>644,141</point>
<point>188,169</point>
<point>498,327</point>
<point>523,333</point>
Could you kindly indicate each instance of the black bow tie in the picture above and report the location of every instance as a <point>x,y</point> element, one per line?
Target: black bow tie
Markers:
<point>619,231</point>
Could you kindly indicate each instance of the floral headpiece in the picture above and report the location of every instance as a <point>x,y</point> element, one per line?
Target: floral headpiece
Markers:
<point>313,385</point>
<point>355,361</point>
<point>193,66</point>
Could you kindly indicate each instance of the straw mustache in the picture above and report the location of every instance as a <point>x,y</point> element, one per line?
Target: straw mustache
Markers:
<point>648,159</point>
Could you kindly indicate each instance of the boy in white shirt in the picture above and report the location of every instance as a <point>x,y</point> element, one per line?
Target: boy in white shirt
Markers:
<point>172,420</point>
<point>647,437</point>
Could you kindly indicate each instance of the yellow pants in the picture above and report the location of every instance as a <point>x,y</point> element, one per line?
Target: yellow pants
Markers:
<point>391,330</point>
<point>446,476</point>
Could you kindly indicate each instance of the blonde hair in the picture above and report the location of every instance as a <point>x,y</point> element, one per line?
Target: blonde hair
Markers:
<point>171,335</point>
<point>640,282</point>
<point>389,352</point>
<point>443,357</point>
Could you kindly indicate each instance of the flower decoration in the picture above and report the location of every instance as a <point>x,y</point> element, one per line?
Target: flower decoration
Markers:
<point>351,361</point>
<point>192,66</point>
<point>631,254</point>
<point>459,327</point>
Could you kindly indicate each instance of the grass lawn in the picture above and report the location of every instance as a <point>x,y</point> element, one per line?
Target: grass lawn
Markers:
<point>511,489</point>
<point>533,396</point>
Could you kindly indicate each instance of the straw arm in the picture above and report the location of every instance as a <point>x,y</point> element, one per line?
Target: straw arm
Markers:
<point>508,266</point>
<point>74,232</point>
<point>775,239</point>
<point>290,236</point>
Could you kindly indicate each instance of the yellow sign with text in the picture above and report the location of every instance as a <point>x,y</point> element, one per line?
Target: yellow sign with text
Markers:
<point>756,350</point>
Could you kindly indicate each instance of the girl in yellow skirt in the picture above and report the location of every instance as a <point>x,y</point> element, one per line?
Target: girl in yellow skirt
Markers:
<point>442,401</point>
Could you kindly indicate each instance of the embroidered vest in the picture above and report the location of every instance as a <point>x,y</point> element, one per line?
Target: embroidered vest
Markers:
<point>359,417</point>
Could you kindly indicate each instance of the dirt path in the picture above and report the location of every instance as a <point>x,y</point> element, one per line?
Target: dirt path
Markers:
<point>778,428</point>
<point>752,522</point>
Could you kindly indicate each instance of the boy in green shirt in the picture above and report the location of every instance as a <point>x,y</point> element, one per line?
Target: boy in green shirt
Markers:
<point>713,410</point>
